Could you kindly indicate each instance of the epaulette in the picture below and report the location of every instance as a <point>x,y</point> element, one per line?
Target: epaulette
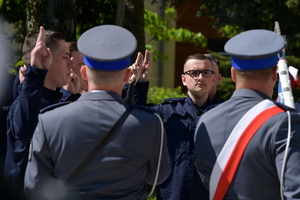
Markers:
<point>177,99</point>
<point>51,107</point>
<point>145,108</point>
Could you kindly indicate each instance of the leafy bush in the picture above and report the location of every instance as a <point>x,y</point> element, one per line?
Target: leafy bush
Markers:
<point>157,94</point>
<point>226,88</point>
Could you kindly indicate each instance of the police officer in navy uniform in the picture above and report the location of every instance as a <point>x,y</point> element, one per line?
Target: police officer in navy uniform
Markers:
<point>47,69</point>
<point>180,116</point>
<point>134,156</point>
<point>266,158</point>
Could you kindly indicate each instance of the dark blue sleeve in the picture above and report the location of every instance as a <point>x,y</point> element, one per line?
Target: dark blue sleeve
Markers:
<point>23,114</point>
<point>68,96</point>
<point>139,94</point>
<point>17,86</point>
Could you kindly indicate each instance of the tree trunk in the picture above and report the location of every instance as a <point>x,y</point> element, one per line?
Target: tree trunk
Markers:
<point>56,15</point>
<point>134,22</point>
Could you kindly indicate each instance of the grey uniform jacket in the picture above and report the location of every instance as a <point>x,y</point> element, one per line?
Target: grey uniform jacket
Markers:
<point>258,174</point>
<point>66,135</point>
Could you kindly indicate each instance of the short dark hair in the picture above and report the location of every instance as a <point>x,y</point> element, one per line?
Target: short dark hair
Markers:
<point>197,56</point>
<point>72,47</point>
<point>262,74</point>
<point>52,37</point>
<point>212,58</point>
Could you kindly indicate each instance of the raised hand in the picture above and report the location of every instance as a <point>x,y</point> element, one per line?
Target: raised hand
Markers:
<point>146,67</point>
<point>74,84</point>
<point>41,56</point>
<point>22,73</point>
<point>136,68</point>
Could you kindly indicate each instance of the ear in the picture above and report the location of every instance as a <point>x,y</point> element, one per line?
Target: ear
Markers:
<point>274,74</point>
<point>83,72</point>
<point>127,75</point>
<point>233,77</point>
<point>183,79</point>
<point>219,77</point>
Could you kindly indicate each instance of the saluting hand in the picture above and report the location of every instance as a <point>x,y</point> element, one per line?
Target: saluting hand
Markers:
<point>74,84</point>
<point>146,67</point>
<point>41,56</point>
<point>136,68</point>
<point>22,73</point>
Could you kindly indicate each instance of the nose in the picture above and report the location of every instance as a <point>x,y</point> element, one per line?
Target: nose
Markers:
<point>200,76</point>
<point>71,63</point>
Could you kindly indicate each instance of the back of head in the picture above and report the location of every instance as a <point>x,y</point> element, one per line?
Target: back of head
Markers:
<point>30,41</point>
<point>254,49</point>
<point>254,53</point>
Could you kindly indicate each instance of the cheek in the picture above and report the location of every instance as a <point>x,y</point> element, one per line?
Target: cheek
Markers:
<point>76,70</point>
<point>190,83</point>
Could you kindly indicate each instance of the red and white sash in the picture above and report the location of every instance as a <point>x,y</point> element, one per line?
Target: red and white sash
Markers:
<point>232,152</point>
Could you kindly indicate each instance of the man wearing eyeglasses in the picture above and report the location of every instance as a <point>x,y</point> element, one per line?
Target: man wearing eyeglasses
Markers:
<point>180,117</point>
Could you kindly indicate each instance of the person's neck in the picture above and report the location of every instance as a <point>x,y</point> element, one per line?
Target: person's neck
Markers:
<point>50,85</point>
<point>199,100</point>
<point>212,94</point>
<point>263,88</point>
<point>117,90</point>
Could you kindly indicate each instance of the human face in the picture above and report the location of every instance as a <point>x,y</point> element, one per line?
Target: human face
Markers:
<point>218,76</point>
<point>60,68</point>
<point>78,63</point>
<point>199,85</point>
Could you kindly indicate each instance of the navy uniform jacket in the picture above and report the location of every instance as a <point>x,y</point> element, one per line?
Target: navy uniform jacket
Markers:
<point>119,171</point>
<point>180,116</point>
<point>6,99</point>
<point>21,122</point>
<point>258,174</point>
<point>67,96</point>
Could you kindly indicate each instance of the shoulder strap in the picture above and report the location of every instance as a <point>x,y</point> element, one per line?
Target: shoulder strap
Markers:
<point>99,146</point>
<point>233,150</point>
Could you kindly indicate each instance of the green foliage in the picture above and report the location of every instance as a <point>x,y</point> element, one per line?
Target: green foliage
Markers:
<point>157,94</point>
<point>152,197</point>
<point>8,10</point>
<point>229,31</point>
<point>256,14</point>
<point>161,29</point>
<point>155,54</point>
<point>226,87</point>
<point>94,13</point>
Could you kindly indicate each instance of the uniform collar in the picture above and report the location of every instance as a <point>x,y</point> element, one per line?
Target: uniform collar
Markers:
<point>198,109</point>
<point>52,94</point>
<point>103,95</point>
<point>250,94</point>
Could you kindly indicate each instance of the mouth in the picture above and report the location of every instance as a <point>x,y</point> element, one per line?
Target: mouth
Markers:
<point>199,84</point>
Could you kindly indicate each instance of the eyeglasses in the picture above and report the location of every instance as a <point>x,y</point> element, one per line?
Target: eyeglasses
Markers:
<point>196,73</point>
